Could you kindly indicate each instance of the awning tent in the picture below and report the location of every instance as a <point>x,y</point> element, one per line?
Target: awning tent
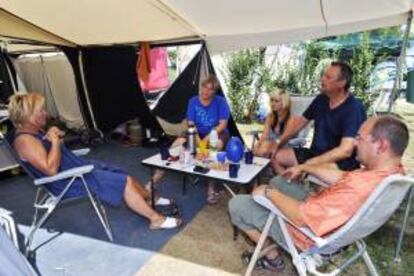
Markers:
<point>225,25</point>
<point>92,33</point>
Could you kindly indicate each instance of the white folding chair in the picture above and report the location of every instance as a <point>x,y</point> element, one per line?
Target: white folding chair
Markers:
<point>378,208</point>
<point>7,223</point>
<point>48,201</point>
<point>11,260</point>
<point>410,196</point>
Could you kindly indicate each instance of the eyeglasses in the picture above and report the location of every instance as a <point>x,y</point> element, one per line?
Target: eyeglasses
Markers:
<point>359,138</point>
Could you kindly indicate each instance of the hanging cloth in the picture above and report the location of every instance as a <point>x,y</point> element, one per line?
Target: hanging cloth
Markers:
<point>158,77</point>
<point>144,62</point>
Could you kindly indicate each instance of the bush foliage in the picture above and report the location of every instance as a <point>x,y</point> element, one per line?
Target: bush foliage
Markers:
<point>251,72</point>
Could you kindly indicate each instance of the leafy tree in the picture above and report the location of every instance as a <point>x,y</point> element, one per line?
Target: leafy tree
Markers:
<point>248,72</point>
<point>362,63</point>
<point>239,73</point>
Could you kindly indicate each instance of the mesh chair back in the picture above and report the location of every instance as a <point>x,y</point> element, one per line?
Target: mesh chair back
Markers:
<point>299,105</point>
<point>379,207</point>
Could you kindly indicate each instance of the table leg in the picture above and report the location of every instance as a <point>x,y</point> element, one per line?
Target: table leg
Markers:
<point>152,184</point>
<point>184,184</point>
<point>235,233</point>
<point>233,194</point>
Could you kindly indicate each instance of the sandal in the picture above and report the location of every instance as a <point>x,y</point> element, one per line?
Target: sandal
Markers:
<point>168,223</point>
<point>213,198</point>
<point>276,264</point>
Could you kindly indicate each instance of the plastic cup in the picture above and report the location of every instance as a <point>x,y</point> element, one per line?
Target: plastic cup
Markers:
<point>203,145</point>
<point>221,157</point>
<point>248,157</point>
<point>165,153</point>
<point>234,170</point>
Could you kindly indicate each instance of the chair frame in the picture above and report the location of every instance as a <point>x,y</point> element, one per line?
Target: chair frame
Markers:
<point>48,202</point>
<point>309,261</point>
<point>397,257</point>
<point>410,196</point>
<point>8,224</point>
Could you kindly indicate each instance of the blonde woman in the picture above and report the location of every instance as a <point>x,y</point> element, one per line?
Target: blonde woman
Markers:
<point>275,122</point>
<point>44,154</point>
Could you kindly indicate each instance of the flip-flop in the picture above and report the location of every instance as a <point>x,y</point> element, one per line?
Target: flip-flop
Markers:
<point>168,223</point>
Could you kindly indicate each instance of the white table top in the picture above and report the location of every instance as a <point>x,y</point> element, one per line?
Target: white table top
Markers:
<point>246,172</point>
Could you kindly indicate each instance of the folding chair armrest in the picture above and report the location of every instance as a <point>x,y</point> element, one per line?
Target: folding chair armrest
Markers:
<point>4,211</point>
<point>296,142</point>
<point>262,200</point>
<point>81,152</point>
<point>79,171</point>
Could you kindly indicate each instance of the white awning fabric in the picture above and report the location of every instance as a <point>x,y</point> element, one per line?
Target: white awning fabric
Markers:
<point>225,25</point>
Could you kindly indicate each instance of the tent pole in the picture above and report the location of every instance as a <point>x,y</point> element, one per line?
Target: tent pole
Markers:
<point>400,63</point>
<point>85,89</point>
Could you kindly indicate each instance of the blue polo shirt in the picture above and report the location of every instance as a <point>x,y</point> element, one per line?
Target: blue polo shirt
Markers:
<point>206,118</point>
<point>331,125</point>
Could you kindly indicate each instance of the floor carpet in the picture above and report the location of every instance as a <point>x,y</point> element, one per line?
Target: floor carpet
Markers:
<point>75,226</point>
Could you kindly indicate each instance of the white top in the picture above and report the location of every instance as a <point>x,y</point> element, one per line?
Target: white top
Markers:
<point>4,113</point>
<point>245,175</point>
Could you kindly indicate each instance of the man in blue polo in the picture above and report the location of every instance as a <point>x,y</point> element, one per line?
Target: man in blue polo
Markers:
<point>337,116</point>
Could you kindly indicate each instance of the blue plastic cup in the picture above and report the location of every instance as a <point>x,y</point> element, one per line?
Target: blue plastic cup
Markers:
<point>234,170</point>
<point>248,157</point>
<point>221,157</point>
<point>165,153</point>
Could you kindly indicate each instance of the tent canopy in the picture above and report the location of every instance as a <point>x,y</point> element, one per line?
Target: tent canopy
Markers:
<point>225,25</point>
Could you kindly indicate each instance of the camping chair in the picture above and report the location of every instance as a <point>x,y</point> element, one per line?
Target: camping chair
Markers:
<point>7,223</point>
<point>314,180</point>
<point>11,260</point>
<point>47,202</point>
<point>378,208</point>
<point>404,224</point>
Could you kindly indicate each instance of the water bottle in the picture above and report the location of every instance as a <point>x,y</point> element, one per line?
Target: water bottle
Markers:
<point>191,139</point>
<point>213,141</point>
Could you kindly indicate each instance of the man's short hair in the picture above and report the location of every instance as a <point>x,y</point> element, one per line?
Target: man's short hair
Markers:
<point>211,79</point>
<point>394,130</point>
<point>345,71</point>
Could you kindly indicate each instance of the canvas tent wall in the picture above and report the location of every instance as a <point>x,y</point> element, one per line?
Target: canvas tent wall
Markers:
<point>7,79</point>
<point>51,74</point>
<point>109,88</point>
